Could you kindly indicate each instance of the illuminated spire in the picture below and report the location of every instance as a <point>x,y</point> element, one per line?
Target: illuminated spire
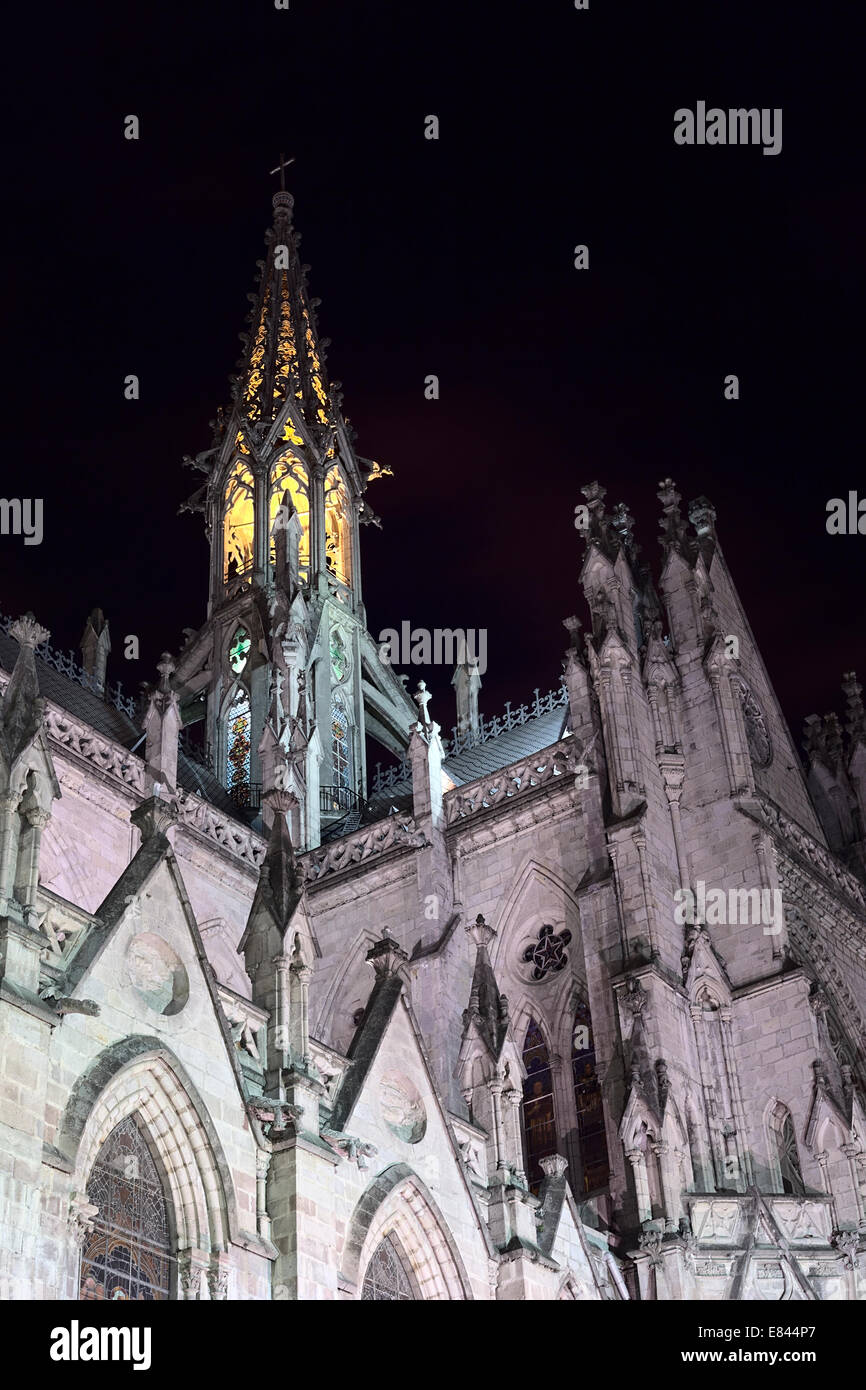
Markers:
<point>284,357</point>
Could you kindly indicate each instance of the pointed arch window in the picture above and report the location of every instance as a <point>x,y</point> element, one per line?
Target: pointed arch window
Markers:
<point>387,1279</point>
<point>340,745</point>
<point>338,532</point>
<point>786,1155</point>
<point>539,1119</point>
<point>587,1100</point>
<point>238,522</point>
<point>238,744</point>
<point>289,472</point>
<point>127,1255</point>
<point>239,650</point>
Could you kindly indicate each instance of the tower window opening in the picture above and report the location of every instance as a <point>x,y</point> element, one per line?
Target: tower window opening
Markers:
<point>587,1100</point>
<point>341,751</point>
<point>289,472</point>
<point>337,526</point>
<point>238,522</point>
<point>539,1120</point>
<point>238,744</point>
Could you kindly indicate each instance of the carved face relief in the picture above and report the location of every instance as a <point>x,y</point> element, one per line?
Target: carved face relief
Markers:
<point>157,974</point>
<point>402,1108</point>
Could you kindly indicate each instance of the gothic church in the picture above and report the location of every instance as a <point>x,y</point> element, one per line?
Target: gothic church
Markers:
<point>275,1028</point>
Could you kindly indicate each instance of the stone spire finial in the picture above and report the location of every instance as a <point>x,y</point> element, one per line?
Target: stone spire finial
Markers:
<point>166,666</point>
<point>488,1009</point>
<point>280,868</point>
<point>467,683</point>
<point>386,957</point>
<point>623,525</point>
<point>22,710</point>
<point>27,632</point>
<point>95,645</point>
<point>855,722</point>
<point>422,698</point>
<point>813,738</point>
<point>482,934</point>
<point>671,523</point>
<point>598,529</point>
<point>833,739</point>
<point>572,626</point>
<point>161,725</point>
<point>702,515</point>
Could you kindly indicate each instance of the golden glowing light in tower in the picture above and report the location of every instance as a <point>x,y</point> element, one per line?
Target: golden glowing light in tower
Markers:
<point>238,522</point>
<point>290,473</point>
<point>338,531</point>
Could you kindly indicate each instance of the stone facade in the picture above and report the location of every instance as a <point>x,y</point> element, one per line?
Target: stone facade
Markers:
<point>573,1011</point>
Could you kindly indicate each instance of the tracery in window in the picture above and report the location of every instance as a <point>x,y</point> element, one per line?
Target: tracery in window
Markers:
<point>785,1140</point>
<point>289,472</point>
<point>238,522</point>
<point>539,1119</point>
<point>239,650</point>
<point>339,655</point>
<point>127,1255</point>
<point>238,747</point>
<point>340,747</point>
<point>338,543</point>
<point>587,1099</point>
<point>386,1280</point>
<point>757,733</point>
<point>547,955</point>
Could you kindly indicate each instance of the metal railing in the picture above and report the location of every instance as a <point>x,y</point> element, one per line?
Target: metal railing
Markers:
<point>200,753</point>
<point>338,801</point>
<point>247,796</point>
<point>69,667</point>
<point>385,780</point>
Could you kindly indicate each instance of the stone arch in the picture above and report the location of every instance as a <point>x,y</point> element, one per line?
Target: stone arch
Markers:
<point>786,1170</point>
<point>399,1202</point>
<point>519,910</point>
<point>351,986</point>
<point>66,869</point>
<point>141,1076</point>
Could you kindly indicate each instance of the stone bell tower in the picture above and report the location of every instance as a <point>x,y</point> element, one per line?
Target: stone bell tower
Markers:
<point>284,673</point>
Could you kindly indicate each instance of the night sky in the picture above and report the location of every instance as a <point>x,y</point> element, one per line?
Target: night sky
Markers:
<point>452,257</point>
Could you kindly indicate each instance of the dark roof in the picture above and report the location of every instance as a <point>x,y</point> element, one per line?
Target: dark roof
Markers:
<point>485,758</point>
<point>509,747</point>
<point>84,704</point>
<point>106,719</point>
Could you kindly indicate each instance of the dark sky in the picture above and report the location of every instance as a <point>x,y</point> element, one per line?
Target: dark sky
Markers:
<point>455,258</point>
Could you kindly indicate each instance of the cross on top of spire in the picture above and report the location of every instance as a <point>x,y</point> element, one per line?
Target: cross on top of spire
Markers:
<point>281,170</point>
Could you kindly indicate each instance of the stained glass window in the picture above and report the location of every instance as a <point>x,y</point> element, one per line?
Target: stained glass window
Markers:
<point>340,745</point>
<point>539,1120</point>
<point>339,659</point>
<point>547,955</point>
<point>238,522</point>
<point>337,528</point>
<point>587,1099</point>
<point>239,649</point>
<point>386,1280</point>
<point>127,1255</point>
<point>238,746</point>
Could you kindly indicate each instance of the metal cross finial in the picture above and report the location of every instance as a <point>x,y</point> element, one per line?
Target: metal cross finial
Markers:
<point>281,170</point>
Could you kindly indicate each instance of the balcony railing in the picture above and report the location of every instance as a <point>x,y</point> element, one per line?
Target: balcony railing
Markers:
<point>338,801</point>
<point>247,796</point>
